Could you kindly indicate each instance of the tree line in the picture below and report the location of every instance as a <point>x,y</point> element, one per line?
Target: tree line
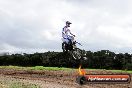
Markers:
<point>103,59</point>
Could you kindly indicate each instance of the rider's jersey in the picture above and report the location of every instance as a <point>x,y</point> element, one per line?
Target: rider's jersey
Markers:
<point>65,32</point>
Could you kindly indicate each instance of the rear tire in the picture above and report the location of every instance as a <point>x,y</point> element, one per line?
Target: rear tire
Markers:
<point>64,47</point>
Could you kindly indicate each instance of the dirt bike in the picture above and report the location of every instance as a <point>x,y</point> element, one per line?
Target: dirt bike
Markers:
<point>72,49</point>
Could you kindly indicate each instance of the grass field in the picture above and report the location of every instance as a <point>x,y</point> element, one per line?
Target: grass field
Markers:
<point>56,68</point>
<point>34,68</point>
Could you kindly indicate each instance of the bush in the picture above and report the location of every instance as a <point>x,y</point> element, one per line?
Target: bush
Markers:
<point>129,66</point>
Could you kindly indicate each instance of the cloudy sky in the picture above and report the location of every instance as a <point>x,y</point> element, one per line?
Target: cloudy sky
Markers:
<point>35,25</point>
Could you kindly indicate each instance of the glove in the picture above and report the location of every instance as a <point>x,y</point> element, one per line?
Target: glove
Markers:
<point>74,35</point>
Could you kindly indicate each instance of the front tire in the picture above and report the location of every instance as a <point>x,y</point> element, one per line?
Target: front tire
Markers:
<point>76,53</point>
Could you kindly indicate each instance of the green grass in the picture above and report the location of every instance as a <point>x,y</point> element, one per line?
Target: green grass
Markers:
<point>57,68</point>
<point>48,68</point>
<point>121,71</point>
<point>35,68</point>
<point>117,71</point>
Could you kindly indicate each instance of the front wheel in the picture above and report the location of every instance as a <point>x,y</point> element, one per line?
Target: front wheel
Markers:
<point>76,53</point>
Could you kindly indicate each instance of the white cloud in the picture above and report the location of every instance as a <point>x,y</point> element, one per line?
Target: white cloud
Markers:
<point>37,24</point>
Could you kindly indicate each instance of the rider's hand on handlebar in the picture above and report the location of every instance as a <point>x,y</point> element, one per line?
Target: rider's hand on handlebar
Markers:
<point>74,35</point>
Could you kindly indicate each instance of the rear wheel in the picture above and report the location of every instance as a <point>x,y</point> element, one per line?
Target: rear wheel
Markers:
<point>64,47</point>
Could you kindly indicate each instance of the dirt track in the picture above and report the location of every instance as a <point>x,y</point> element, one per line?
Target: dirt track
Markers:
<point>54,79</point>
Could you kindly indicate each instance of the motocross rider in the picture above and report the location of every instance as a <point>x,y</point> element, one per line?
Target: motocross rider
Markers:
<point>67,36</point>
